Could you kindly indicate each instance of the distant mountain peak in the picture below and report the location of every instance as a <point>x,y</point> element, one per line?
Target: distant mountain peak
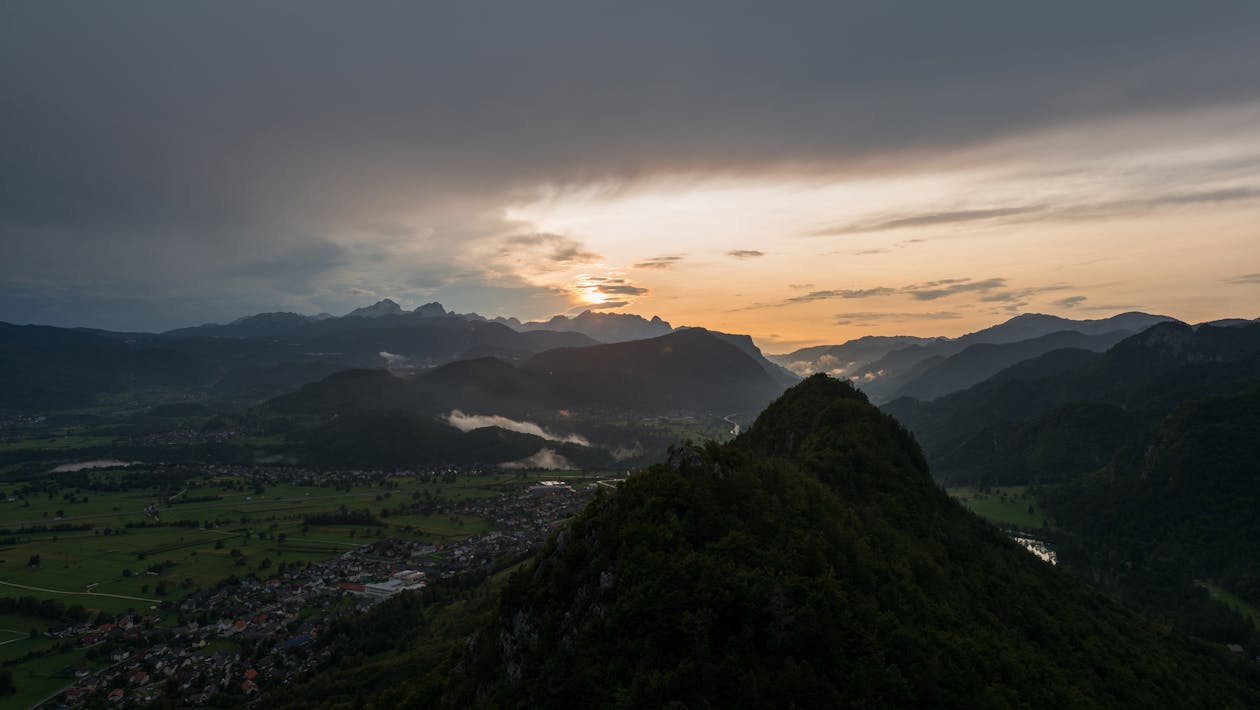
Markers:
<point>430,310</point>
<point>383,307</point>
<point>606,327</point>
<point>274,316</point>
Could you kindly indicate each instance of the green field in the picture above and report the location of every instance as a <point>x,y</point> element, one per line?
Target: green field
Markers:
<point>35,678</point>
<point>1012,506</point>
<point>232,529</point>
<point>44,442</point>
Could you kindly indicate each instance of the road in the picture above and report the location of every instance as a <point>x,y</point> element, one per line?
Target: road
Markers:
<point>94,594</point>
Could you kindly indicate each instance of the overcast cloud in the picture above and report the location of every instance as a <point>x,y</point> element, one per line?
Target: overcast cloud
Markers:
<point>168,163</point>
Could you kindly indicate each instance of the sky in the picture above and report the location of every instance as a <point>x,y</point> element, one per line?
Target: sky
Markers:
<point>802,172</point>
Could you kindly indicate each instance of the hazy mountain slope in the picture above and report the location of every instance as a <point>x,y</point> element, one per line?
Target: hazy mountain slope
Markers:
<point>1035,325</point>
<point>841,360</point>
<point>44,367</point>
<point>688,364</point>
<point>884,379</point>
<point>746,345</point>
<point>262,325</point>
<point>688,371</point>
<point>812,562</point>
<point>981,361</point>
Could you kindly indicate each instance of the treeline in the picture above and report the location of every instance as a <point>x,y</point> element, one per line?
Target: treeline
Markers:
<point>33,529</point>
<point>47,609</point>
<point>196,499</point>
<point>163,524</point>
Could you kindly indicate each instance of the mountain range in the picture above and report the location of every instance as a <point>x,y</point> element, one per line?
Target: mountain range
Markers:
<point>887,368</point>
<point>601,327</point>
<point>274,352</point>
<point>691,370</point>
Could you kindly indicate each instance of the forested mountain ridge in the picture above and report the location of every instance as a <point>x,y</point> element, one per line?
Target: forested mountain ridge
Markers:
<point>1177,505</point>
<point>1067,412</point>
<point>810,563</point>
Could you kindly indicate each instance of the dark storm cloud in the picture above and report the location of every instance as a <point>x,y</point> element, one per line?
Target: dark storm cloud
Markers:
<point>1024,214</point>
<point>303,260</point>
<point>166,143</point>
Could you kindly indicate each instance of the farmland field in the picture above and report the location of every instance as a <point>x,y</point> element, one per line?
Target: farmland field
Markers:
<point>132,548</point>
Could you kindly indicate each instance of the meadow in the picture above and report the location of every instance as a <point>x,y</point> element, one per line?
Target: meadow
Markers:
<point>1011,506</point>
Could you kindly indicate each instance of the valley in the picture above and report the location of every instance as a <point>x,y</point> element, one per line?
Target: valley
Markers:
<point>465,356</point>
<point>143,505</point>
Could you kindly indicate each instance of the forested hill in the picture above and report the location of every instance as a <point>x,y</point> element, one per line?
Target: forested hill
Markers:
<point>1179,504</point>
<point>811,562</point>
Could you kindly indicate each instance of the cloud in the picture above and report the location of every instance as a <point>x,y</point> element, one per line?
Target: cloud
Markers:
<point>546,459</point>
<point>552,247</point>
<point>1245,279</point>
<point>1067,210</point>
<point>621,289</point>
<point>356,291</point>
<point>621,453</point>
<point>1070,301</point>
<point>874,316</point>
<point>926,291</point>
<point>745,253</point>
<point>659,262</point>
<point>929,219</point>
<point>933,290</point>
<point>842,293</point>
<point>1022,293</point>
<point>396,363</point>
<point>469,422</point>
<point>405,134</point>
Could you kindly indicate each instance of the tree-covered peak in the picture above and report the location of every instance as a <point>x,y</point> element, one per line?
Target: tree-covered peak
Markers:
<point>831,428</point>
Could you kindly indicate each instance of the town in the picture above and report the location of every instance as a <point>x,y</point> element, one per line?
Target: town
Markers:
<point>264,624</point>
